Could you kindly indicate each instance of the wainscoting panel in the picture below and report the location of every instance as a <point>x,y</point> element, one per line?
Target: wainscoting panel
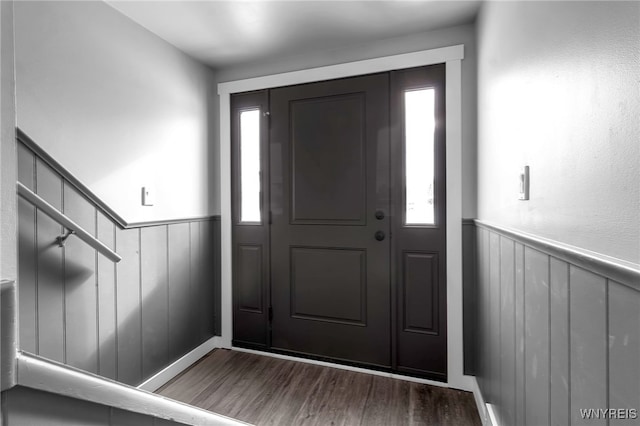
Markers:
<point>559,341</point>
<point>556,330</point>
<point>128,307</point>
<point>80,290</point>
<point>179,292</point>
<point>507,357</point>
<point>107,302</point>
<point>124,321</point>
<point>624,348</point>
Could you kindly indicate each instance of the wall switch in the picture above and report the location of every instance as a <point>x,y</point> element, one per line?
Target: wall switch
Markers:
<point>524,183</point>
<point>148,196</point>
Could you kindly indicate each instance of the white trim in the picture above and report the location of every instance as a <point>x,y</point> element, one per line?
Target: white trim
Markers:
<point>455,353</point>
<point>225,221</point>
<point>349,69</point>
<point>9,332</point>
<point>37,373</point>
<point>485,417</point>
<point>345,367</point>
<point>165,375</point>
<point>452,56</point>
<point>493,420</point>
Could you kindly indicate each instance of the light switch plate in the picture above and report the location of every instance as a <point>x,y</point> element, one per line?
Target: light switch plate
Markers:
<point>524,183</point>
<point>148,196</point>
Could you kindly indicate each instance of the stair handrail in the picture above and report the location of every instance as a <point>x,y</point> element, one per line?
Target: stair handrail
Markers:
<point>72,227</point>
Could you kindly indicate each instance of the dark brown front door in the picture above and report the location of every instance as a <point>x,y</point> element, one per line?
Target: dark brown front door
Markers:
<point>330,283</point>
<point>347,259</point>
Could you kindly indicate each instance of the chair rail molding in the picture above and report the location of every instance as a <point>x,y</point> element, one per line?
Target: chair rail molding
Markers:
<point>552,329</point>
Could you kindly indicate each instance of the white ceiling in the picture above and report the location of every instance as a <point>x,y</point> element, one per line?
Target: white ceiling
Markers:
<point>226,33</point>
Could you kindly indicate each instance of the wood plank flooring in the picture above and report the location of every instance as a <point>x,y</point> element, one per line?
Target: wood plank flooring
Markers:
<point>264,390</point>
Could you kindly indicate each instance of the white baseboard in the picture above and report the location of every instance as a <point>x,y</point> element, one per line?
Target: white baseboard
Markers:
<point>163,376</point>
<point>483,409</point>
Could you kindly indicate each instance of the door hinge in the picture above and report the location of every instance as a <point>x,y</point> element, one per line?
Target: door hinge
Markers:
<point>270,217</point>
<point>267,116</point>
<point>270,314</point>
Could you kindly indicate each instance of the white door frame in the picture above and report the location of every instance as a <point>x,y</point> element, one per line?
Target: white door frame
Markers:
<point>452,56</point>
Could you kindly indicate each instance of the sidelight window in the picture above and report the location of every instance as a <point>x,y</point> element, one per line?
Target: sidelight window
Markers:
<point>419,114</point>
<point>250,166</point>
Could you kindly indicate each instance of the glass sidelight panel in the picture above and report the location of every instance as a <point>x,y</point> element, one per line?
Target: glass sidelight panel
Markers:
<point>419,115</point>
<point>250,166</point>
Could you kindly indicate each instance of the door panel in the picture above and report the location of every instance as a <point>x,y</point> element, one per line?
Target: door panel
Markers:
<point>250,237</point>
<point>328,284</point>
<point>328,160</point>
<point>330,276</point>
<point>420,332</point>
<point>348,259</point>
<point>250,283</point>
<point>420,292</point>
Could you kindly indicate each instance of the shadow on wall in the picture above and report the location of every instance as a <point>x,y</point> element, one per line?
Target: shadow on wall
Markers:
<point>124,321</point>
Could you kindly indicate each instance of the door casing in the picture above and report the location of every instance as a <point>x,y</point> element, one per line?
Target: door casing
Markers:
<point>452,56</point>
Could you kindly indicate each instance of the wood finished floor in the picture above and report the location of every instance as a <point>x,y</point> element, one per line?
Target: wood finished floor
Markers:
<point>264,390</point>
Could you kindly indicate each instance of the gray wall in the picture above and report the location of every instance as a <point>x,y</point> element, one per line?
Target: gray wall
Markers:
<point>558,91</point>
<point>8,167</point>
<point>124,321</point>
<point>8,171</point>
<point>119,107</point>
<point>554,334</point>
<point>28,407</point>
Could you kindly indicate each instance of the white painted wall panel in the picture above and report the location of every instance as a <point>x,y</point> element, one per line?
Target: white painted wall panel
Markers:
<point>558,91</point>
<point>8,151</point>
<point>118,107</point>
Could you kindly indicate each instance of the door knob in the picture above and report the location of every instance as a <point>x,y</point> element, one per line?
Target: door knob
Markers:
<point>379,235</point>
<point>379,214</point>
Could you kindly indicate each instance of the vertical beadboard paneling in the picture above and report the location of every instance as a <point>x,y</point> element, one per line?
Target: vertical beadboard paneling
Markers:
<point>106,303</point>
<point>207,301</point>
<point>507,332</point>
<point>624,349</point>
<point>179,289</point>
<point>217,297</point>
<point>128,307</point>
<point>569,337</point>
<point>27,279</point>
<point>519,334</point>
<point>536,294</point>
<point>81,316</point>
<point>483,308</point>
<point>50,291</point>
<point>494,317</point>
<point>155,339</point>
<point>26,167</point>
<point>27,255</point>
<point>559,343</point>
<point>588,322</point>
<point>195,293</point>
<point>124,321</point>
<point>469,298</point>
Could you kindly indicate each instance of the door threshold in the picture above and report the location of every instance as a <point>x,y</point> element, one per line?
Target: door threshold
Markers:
<point>364,370</point>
